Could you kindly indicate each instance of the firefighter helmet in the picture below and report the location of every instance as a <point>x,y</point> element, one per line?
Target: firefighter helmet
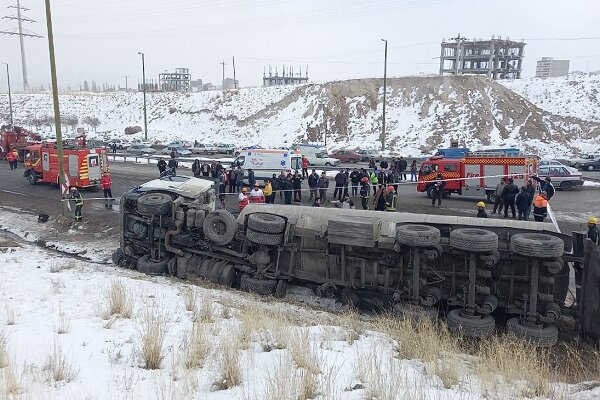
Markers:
<point>593,220</point>
<point>481,204</point>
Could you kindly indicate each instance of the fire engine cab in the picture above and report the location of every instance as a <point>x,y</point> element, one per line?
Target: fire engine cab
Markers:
<point>84,167</point>
<point>476,174</point>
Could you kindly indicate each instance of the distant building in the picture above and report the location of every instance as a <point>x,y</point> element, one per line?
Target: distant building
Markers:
<point>287,77</point>
<point>495,58</point>
<point>178,81</point>
<point>229,84</point>
<point>196,85</point>
<point>208,86</point>
<point>548,67</point>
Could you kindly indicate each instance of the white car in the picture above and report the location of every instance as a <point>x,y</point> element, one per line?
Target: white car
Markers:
<point>140,141</point>
<point>179,151</point>
<point>202,148</point>
<point>121,143</point>
<point>225,148</point>
<point>141,149</point>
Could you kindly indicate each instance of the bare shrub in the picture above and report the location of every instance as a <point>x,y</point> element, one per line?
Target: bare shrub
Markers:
<point>353,326</point>
<point>11,383</point>
<point>154,329</point>
<point>303,354</point>
<point>381,375</point>
<point>61,265</point>
<point>230,372</point>
<point>196,347</point>
<point>119,301</point>
<point>290,383</point>
<point>57,285</point>
<point>275,333</point>
<point>114,353</point>
<point>190,299</point>
<point>64,323</point>
<point>447,370</point>
<point>57,368</point>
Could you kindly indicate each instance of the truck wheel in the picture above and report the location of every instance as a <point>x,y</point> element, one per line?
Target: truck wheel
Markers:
<point>32,178</point>
<point>265,287</point>
<point>474,240</point>
<point>270,239</point>
<point>118,256</point>
<point>554,266</point>
<point>477,326</point>
<point>537,245</point>
<point>545,335</point>
<point>281,289</point>
<point>266,223</point>
<point>154,204</point>
<point>150,267</point>
<point>417,235</point>
<point>219,227</point>
<point>566,186</point>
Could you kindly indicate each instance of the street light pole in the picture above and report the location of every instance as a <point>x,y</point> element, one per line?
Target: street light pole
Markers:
<point>12,126</point>
<point>384,96</point>
<point>144,90</point>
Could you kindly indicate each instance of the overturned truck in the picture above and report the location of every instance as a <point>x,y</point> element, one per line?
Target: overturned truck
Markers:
<point>479,273</point>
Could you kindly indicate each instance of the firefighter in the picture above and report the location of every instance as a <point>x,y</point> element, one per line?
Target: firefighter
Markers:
<point>10,157</point>
<point>438,190</point>
<point>364,192</point>
<point>391,199</point>
<point>540,207</point>
<point>243,199</point>
<point>481,210</point>
<point>162,166</point>
<point>105,184</point>
<point>593,233</point>
<point>78,199</point>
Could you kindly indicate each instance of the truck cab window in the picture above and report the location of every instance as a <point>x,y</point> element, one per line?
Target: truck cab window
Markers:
<point>239,162</point>
<point>450,168</point>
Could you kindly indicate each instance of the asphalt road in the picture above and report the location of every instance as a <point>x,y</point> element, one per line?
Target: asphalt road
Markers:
<point>571,208</point>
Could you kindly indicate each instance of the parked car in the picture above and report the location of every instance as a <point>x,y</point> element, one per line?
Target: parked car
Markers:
<point>225,148</point>
<point>563,177</point>
<point>141,149</point>
<point>245,149</point>
<point>576,162</point>
<point>591,165</point>
<point>347,156</point>
<point>201,148</point>
<point>180,143</point>
<point>121,143</point>
<point>179,151</point>
<point>142,142</point>
<point>366,155</point>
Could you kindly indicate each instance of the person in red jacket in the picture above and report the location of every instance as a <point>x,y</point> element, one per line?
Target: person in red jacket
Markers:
<point>243,199</point>
<point>105,184</point>
<point>10,157</point>
<point>305,165</point>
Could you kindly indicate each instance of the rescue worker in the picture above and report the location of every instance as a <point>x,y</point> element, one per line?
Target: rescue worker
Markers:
<point>196,168</point>
<point>364,192</point>
<point>162,166</point>
<point>313,184</point>
<point>481,210</point>
<point>243,199</point>
<point>257,195</point>
<point>16,158</point>
<point>297,186</point>
<point>438,190</point>
<point>323,184</point>
<point>106,184</point>
<point>545,186</point>
<point>78,199</point>
<point>498,202</point>
<point>10,157</point>
<point>593,233</point>
<point>391,199</point>
<point>508,196</point>
<point>523,202</point>
<point>540,207</point>
<point>305,165</point>
<point>374,180</point>
<point>268,192</point>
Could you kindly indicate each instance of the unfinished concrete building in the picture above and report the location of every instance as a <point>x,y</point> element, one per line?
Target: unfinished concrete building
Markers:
<point>287,77</point>
<point>178,81</point>
<point>496,58</point>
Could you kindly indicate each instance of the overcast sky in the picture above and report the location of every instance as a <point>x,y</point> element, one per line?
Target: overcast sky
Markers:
<point>338,39</point>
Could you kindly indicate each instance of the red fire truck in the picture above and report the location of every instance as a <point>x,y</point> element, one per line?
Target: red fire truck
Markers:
<point>17,137</point>
<point>83,166</point>
<point>476,174</point>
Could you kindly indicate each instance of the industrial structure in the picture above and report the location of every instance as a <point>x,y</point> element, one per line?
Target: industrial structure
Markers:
<point>230,84</point>
<point>287,77</point>
<point>178,81</point>
<point>496,58</point>
<point>548,67</point>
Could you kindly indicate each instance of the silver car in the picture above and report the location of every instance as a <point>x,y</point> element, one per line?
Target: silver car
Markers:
<point>141,149</point>
<point>179,151</point>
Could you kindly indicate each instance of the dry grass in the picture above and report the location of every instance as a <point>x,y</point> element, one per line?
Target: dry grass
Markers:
<point>11,384</point>
<point>196,347</point>
<point>3,350</point>
<point>381,375</point>
<point>289,383</point>
<point>57,285</point>
<point>58,368</point>
<point>154,329</point>
<point>190,299</point>
<point>205,314</point>
<point>303,353</point>
<point>230,372</point>
<point>64,323</point>
<point>11,317</point>
<point>119,301</point>
<point>62,265</point>
<point>353,326</point>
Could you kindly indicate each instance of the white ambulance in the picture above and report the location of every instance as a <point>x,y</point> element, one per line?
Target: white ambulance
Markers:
<point>266,162</point>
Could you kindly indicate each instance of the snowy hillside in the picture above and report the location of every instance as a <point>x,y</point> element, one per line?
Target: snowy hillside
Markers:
<point>423,113</point>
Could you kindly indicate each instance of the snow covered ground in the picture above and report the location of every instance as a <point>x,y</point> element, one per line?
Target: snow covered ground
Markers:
<point>74,329</point>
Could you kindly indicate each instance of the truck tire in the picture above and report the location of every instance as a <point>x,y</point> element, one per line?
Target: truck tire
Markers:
<point>545,335</point>
<point>32,177</point>
<point>478,326</point>
<point>118,256</point>
<point>281,289</point>
<point>266,223</point>
<point>266,287</point>
<point>474,240</point>
<point>417,235</point>
<point>554,265</point>
<point>270,239</point>
<point>150,267</point>
<point>220,227</point>
<point>537,245</point>
<point>154,204</point>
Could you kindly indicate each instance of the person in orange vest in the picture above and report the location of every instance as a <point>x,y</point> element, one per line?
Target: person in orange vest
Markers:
<point>243,199</point>
<point>540,207</point>
<point>105,184</point>
<point>10,157</point>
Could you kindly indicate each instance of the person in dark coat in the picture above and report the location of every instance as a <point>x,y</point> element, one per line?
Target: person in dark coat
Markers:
<point>313,184</point>
<point>196,168</point>
<point>162,166</point>
<point>323,184</point>
<point>276,186</point>
<point>437,191</point>
<point>251,178</point>
<point>173,164</point>
<point>287,187</point>
<point>365,188</point>
<point>340,181</point>
<point>508,196</point>
<point>402,164</point>
<point>232,180</point>
<point>523,202</point>
<point>531,192</point>
<point>498,201</point>
<point>379,201</point>
<point>481,210</point>
<point>371,163</point>
<point>384,164</point>
<point>413,171</point>
<point>205,169</point>
<point>281,180</point>
<point>545,186</point>
<point>593,233</point>
<point>297,185</point>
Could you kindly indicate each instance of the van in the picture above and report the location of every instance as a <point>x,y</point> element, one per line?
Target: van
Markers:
<point>317,156</point>
<point>266,162</point>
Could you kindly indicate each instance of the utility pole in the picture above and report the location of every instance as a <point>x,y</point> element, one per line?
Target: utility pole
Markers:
<point>223,83</point>
<point>384,96</point>
<point>126,88</point>
<point>20,32</point>
<point>144,91</point>
<point>12,126</point>
<point>64,186</point>
<point>234,81</point>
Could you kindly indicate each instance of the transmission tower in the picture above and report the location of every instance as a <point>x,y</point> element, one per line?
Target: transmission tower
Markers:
<point>22,33</point>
